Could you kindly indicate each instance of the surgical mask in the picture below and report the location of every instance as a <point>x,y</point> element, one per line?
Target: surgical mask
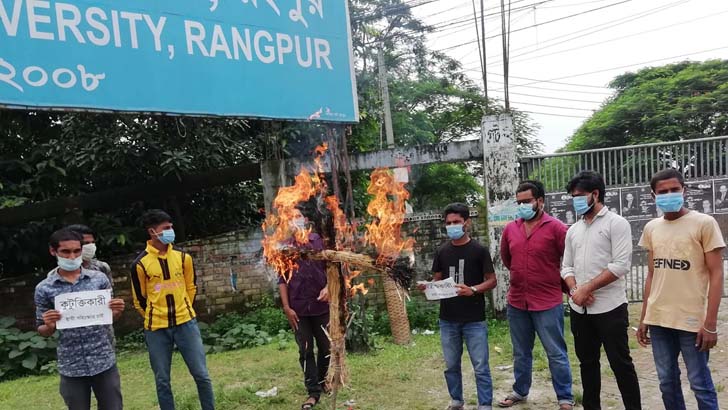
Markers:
<point>88,251</point>
<point>526,211</point>
<point>166,236</point>
<point>299,223</point>
<point>455,231</point>
<point>69,265</point>
<point>581,205</point>
<point>671,202</point>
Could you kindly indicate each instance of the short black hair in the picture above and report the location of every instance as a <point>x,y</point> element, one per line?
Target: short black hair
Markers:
<point>457,208</point>
<point>587,181</point>
<point>82,229</point>
<point>154,217</point>
<point>536,188</point>
<point>62,235</point>
<point>668,173</point>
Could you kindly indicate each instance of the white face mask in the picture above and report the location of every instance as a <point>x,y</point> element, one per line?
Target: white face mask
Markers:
<point>88,251</point>
<point>299,223</point>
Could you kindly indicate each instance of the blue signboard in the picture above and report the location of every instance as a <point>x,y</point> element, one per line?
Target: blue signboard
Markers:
<point>285,59</point>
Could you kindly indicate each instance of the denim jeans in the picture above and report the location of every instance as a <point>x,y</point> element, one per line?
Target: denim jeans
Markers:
<point>475,335</point>
<point>667,344</point>
<point>549,325</point>
<point>186,337</point>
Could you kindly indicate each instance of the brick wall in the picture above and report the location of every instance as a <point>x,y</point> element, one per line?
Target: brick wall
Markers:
<point>221,260</point>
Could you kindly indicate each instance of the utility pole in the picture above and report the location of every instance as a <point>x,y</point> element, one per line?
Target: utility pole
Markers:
<point>385,98</point>
<point>484,58</point>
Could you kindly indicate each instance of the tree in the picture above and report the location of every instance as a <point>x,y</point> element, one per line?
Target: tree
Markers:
<point>674,102</point>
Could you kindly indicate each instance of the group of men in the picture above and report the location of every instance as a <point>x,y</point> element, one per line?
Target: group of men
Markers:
<point>589,261</point>
<point>546,259</point>
<point>163,289</point>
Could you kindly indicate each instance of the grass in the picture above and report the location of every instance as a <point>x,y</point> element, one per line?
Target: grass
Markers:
<point>394,377</point>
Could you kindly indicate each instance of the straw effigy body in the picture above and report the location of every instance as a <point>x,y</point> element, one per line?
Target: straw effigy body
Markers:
<point>338,374</point>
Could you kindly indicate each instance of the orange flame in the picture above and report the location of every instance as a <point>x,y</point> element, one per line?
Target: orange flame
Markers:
<point>278,230</point>
<point>388,209</point>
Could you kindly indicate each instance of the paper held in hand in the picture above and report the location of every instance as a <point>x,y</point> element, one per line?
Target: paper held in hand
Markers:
<point>82,309</point>
<point>441,289</point>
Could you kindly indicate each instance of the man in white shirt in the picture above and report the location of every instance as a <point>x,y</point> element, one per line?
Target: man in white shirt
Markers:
<point>597,255</point>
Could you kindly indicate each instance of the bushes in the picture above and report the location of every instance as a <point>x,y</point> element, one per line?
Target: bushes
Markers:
<point>263,324</point>
<point>24,353</point>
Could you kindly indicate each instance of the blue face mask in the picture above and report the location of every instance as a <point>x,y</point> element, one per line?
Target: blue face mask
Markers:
<point>526,211</point>
<point>455,232</point>
<point>69,265</point>
<point>581,204</point>
<point>671,202</point>
<point>167,236</point>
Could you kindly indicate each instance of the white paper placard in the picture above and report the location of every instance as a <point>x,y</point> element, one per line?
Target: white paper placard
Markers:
<point>82,309</point>
<point>441,289</point>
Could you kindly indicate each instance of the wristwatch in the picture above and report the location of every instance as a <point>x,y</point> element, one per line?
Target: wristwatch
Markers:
<point>572,291</point>
<point>474,289</point>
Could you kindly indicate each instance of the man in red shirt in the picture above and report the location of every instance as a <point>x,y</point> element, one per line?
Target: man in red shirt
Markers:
<point>531,248</point>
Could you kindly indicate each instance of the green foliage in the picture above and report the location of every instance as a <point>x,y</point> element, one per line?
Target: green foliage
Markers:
<point>423,315</point>
<point>263,323</point>
<point>668,103</point>
<point>132,341</point>
<point>24,353</point>
<point>441,184</point>
<point>359,333</point>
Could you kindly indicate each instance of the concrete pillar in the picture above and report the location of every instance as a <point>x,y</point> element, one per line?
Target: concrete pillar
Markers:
<point>500,167</point>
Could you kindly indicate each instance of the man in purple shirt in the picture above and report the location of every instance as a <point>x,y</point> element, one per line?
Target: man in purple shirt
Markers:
<point>531,248</point>
<point>305,303</point>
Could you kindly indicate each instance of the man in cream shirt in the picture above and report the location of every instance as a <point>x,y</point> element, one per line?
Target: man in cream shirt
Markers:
<point>597,255</point>
<point>683,290</point>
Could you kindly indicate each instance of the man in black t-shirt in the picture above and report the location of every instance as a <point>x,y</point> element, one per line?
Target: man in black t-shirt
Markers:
<point>462,318</point>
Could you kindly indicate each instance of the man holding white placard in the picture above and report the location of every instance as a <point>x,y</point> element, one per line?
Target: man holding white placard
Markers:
<point>86,359</point>
<point>462,318</point>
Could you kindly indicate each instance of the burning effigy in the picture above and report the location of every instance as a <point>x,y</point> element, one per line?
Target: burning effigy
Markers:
<point>379,246</point>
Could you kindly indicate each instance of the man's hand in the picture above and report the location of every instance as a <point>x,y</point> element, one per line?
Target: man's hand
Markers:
<point>464,290</point>
<point>421,287</point>
<point>324,295</point>
<point>706,340</point>
<point>117,306</point>
<point>643,337</point>
<point>50,317</point>
<point>292,318</point>
<point>582,296</point>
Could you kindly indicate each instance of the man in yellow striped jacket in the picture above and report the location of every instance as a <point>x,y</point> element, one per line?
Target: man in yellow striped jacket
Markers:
<point>163,287</point>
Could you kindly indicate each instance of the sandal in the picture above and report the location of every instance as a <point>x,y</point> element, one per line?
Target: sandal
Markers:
<point>510,401</point>
<point>566,406</point>
<point>308,405</point>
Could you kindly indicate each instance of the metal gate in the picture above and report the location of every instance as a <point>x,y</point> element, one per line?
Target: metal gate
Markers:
<point>703,161</point>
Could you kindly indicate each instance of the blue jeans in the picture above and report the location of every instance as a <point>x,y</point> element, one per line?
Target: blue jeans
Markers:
<point>475,335</point>
<point>549,325</point>
<point>667,344</point>
<point>160,344</point>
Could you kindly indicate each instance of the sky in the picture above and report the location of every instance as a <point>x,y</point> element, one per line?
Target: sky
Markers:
<point>564,53</point>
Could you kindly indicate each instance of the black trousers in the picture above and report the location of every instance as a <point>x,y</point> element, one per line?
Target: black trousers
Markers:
<point>76,391</point>
<point>315,368</point>
<point>608,329</point>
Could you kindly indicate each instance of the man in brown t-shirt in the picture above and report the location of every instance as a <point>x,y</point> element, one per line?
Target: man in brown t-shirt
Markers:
<point>685,275</point>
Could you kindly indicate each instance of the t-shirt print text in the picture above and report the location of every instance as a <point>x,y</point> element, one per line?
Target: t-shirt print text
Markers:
<point>677,264</point>
<point>458,275</point>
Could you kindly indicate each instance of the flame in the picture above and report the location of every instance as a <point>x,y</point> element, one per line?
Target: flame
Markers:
<point>388,209</point>
<point>278,230</point>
